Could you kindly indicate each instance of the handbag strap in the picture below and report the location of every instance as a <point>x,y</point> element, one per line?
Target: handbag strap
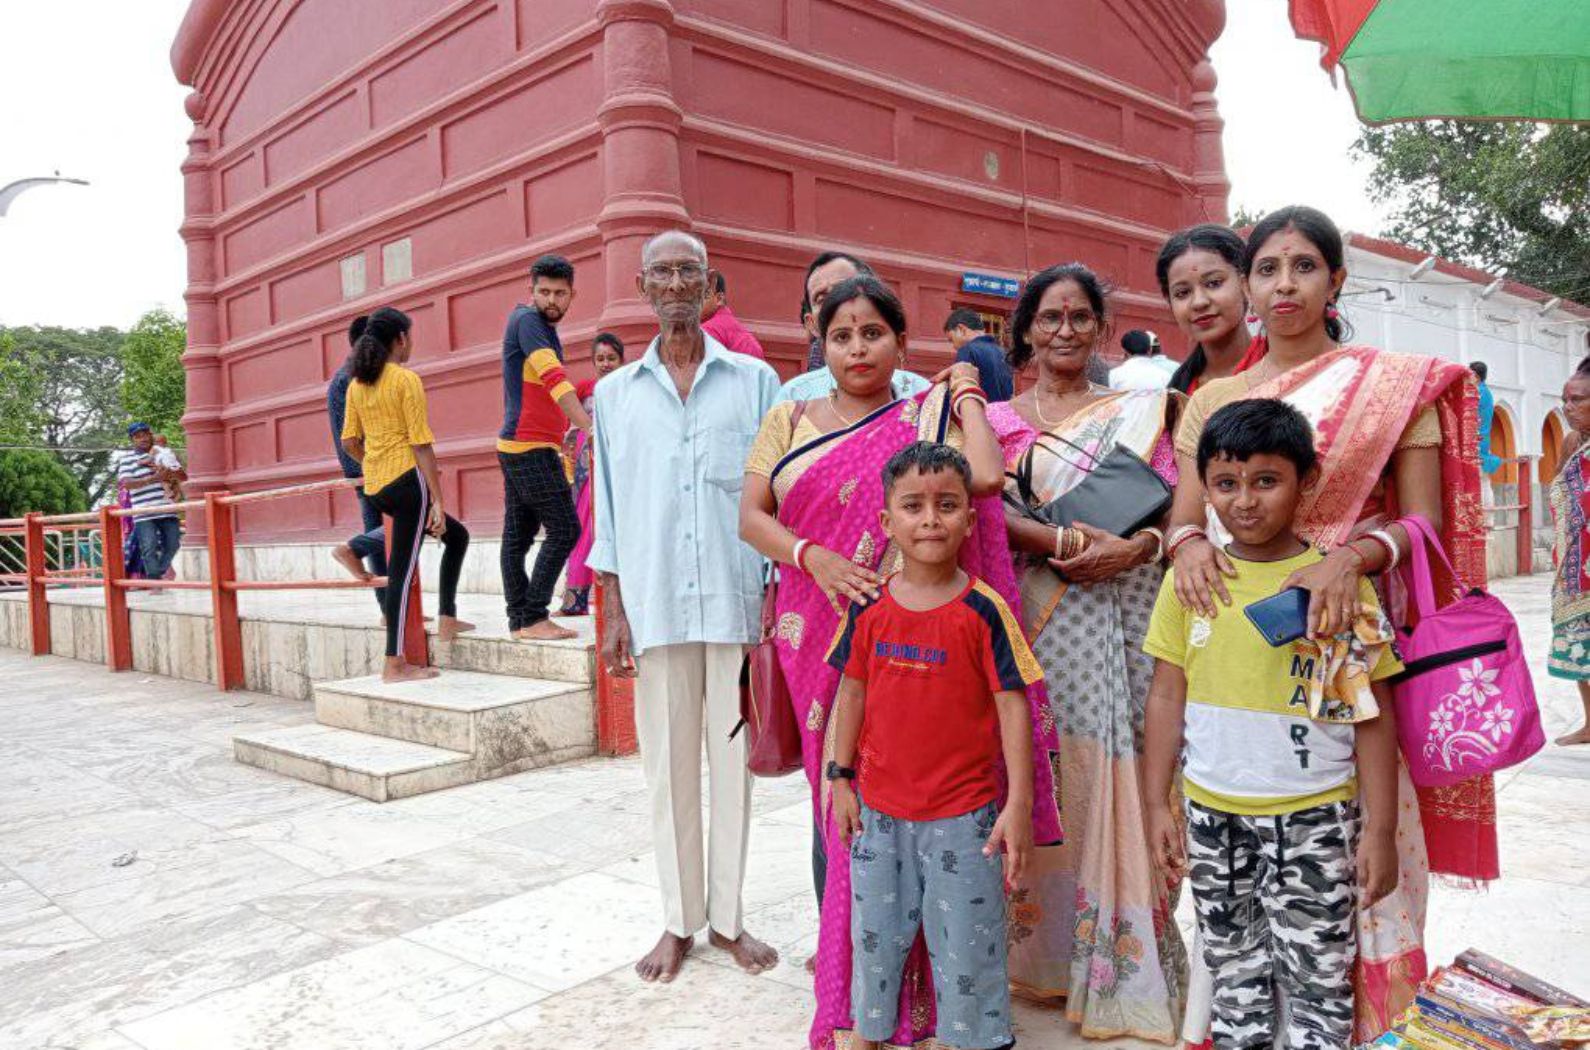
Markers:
<point>770,608</point>
<point>1422,538</point>
<point>770,591</point>
<point>1059,437</point>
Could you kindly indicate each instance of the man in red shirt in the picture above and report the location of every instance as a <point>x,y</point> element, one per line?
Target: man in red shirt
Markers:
<point>718,321</point>
<point>934,689</point>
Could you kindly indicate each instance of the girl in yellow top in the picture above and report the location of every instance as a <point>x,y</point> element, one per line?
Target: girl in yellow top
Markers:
<point>385,429</point>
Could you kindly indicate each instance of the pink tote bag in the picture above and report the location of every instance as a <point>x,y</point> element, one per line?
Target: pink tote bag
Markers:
<point>1465,700</point>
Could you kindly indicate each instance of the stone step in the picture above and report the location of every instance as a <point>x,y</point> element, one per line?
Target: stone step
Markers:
<point>573,660</point>
<point>374,767</point>
<point>497,719</point>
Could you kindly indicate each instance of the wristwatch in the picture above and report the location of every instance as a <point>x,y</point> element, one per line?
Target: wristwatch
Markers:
<point>839,772</point>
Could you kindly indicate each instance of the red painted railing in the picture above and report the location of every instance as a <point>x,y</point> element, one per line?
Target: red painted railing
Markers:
<point>615,705</point>
<point>109,523</point>
<point>1524,528</point>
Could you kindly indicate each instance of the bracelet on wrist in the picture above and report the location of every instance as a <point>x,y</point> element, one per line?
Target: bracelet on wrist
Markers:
<point>1389,542</point>
<point>1159,542</point>
<point>1180,536</point>
<point>799,555</point>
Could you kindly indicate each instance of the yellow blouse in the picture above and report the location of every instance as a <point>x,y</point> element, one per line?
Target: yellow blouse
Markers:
<point>775,438</point>
<point>389,415</point>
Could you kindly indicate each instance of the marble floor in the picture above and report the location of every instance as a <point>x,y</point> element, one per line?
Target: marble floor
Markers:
<point>156,895</point>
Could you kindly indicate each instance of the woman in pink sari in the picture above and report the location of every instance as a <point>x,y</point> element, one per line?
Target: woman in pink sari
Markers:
<point>813,490</point>
<point>607,354</point>
<point>1396,434</point>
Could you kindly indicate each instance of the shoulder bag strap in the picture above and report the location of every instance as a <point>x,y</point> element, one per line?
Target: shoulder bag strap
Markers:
<point>1422,539</point>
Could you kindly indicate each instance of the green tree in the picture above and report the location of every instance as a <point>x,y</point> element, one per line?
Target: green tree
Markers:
<point>36,481</point>
<point>21,389</point>
<point>1489,195</point>
<point>1246,216</point>
<point>78,372</point>
<point>154,385</point>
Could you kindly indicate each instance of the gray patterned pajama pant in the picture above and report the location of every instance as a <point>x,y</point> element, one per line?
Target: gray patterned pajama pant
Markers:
<point>931,874</point>
<point>1275,898</point>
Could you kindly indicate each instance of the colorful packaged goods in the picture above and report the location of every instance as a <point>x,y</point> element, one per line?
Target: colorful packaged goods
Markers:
<point>1482,1003</point>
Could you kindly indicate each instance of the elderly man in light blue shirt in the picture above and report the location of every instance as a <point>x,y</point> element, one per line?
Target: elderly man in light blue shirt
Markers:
<point>681,593</point>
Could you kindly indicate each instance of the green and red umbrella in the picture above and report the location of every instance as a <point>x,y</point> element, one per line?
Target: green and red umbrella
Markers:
<point>1468,59</point>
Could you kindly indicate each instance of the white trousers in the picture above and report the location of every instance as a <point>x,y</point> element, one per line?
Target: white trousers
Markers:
<point>684,689</point>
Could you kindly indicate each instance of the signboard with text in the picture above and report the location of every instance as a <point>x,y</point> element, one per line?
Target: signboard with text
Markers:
<point>988,284</point>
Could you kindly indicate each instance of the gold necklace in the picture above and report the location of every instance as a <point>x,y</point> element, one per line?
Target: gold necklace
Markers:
<point>1037,405</point>
<point>833,404</point>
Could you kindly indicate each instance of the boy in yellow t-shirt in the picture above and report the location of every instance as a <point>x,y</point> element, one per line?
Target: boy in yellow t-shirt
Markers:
<point>1274,853</point>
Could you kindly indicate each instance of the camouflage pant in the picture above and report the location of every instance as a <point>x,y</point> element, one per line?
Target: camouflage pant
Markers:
<point>932,874</point>
<point>1275,898</point>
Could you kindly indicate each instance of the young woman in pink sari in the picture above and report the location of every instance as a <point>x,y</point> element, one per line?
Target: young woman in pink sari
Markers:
<point>607,354</point>
<point>1396,434</point>
<point>813,490</point>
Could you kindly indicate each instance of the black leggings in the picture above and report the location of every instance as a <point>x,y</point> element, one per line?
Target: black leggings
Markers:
<point>407,502</point>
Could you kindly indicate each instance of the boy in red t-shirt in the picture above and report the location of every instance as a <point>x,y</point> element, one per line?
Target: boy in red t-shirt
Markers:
<point>935,677</point>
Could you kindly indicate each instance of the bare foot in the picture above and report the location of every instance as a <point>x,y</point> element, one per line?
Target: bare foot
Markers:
<point>343,555</point>
<point>450,627</point>
<point>1580,737</point>
<point>545,631</point>
<point>752,955</point>
<point>811,965</point>
<point>662,962</point>
<point>402,671</point>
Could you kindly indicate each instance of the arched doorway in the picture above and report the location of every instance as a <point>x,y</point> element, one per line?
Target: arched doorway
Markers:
<point>1504,445</point>
<point>1551,435</point>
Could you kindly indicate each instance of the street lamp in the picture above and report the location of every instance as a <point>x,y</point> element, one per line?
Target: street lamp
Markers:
<point>16,189</point>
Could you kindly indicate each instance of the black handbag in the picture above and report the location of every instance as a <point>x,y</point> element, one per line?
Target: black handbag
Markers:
<point>1121,493</point>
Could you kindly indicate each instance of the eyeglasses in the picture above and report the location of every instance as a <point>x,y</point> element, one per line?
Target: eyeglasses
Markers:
<point>1051,321</point>
<point>664,273</point>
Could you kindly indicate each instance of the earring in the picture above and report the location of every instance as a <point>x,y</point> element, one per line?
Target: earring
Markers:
<point>1331,313</point>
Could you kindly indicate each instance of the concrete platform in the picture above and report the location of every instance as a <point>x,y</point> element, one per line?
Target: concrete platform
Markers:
<point>292,639</point>
<point>260,912</point>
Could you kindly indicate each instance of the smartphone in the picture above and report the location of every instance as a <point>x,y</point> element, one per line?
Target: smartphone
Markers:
<point>1281,618</point>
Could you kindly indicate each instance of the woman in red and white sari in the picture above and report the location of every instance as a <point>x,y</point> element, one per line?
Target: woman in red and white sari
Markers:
<point>1396,434</point>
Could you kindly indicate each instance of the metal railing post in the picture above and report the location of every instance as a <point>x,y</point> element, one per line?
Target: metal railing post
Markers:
<point>113,568</point>
<point>1525,537</point>
<point>36,567</point>
<point>223,599</point>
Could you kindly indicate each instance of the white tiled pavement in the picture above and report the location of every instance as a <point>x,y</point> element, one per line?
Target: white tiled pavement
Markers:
<point>156,895</point>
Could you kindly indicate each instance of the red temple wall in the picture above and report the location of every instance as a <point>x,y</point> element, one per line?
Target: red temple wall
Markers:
<point>992,136</point>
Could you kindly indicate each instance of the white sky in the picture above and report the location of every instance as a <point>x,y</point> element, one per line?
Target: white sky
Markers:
<point>86,88</point>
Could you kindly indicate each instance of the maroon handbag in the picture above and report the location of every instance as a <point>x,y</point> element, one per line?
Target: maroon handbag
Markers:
<point>767,712</point>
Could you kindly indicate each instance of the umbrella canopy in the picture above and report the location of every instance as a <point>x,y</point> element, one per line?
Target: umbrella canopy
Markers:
<point>1468,59</point>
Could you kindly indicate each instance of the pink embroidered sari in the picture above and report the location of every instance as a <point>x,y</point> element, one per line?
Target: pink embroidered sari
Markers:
<point>1359,401</point>
<point>829,491</point>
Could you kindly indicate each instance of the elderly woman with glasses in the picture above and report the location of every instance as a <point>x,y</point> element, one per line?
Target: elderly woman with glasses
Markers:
<point>1094,925</point>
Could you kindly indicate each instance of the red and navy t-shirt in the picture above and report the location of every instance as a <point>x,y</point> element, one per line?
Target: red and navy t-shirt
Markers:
<point>930,733</point>
<point>532,381</point>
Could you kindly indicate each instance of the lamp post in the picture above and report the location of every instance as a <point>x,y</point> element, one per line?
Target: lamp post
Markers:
<point>16,189</point>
